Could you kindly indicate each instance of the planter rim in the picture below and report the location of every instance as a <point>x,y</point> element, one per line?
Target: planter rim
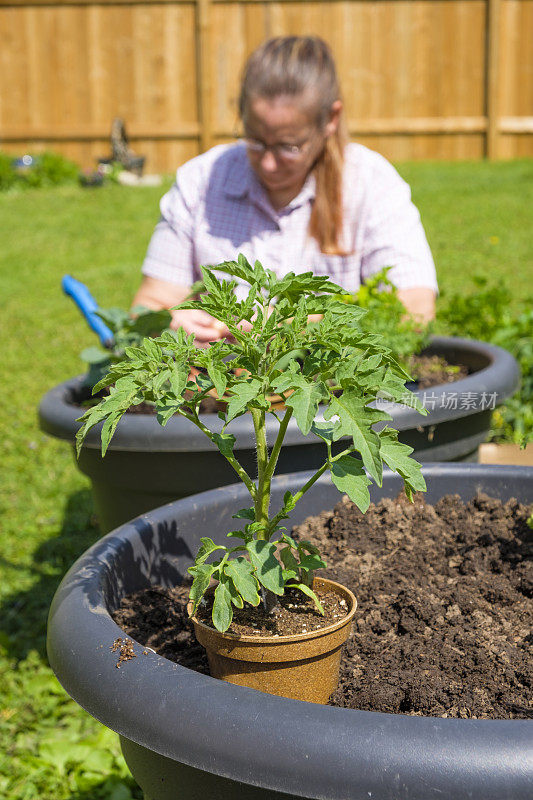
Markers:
<point>500,378</point>
<point>177,712</point>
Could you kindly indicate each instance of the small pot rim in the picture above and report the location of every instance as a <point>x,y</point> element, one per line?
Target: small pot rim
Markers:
<point>296,637</point>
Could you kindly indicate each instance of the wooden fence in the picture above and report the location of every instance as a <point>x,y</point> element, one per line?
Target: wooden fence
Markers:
<point>421,78</point>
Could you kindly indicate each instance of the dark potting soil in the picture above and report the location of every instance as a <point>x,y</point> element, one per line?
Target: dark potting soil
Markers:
<point>295,613</point>
<point>444,624</point>
<point>430,371</point>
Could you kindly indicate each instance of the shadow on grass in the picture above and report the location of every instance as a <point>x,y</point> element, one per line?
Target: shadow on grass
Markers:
<point>23,614</point>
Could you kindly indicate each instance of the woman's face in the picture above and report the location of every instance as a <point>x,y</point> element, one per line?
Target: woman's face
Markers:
<point>284,142</point>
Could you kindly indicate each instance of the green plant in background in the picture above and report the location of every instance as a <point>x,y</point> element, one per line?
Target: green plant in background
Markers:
<point>43,170</point>
<point>477,313</point>
<point>483,313</point>
<point>386,316</point>
<point>8,176</point>
<point>343,369</point>
<point>514,420</point>
<point>52,169</point>
<point>129,329</point>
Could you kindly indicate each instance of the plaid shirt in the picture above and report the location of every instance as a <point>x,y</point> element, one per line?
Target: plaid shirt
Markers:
<point>217,208</point>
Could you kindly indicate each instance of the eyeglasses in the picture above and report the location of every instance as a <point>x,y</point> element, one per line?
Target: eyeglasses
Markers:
<point>283,152</point>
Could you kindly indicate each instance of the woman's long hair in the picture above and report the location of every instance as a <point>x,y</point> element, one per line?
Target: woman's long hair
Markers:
<point>303,66</point>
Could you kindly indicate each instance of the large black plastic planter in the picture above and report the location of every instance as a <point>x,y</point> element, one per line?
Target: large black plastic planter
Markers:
<point>187,736</point>
<point>147,465</point>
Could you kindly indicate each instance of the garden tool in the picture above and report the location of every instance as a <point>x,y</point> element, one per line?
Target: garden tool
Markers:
<point>88,307</point>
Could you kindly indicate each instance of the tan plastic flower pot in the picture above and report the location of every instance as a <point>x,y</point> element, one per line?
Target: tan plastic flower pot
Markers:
<point>304,666</point>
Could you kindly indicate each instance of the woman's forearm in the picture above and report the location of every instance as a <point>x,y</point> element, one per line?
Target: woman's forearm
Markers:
<point>419,302</point>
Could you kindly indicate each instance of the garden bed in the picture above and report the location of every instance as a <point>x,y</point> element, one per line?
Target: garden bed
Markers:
<point>445,609</point>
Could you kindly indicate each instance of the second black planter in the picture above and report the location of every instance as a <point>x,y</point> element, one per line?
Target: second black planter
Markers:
<point>147,466</point>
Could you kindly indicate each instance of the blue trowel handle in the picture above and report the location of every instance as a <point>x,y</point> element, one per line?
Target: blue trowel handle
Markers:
<point>87,305</point>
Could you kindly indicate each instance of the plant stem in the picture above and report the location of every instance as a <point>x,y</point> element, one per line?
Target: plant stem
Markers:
<point>273,460</point>
<point>274,521</point>
<point>269,600</point>
<point>239,469</point>
<point>262,498</point>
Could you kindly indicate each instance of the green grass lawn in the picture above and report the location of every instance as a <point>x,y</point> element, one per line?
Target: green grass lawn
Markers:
<point>478,217</point>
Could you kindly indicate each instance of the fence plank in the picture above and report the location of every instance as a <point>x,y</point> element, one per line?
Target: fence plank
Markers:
<point>493,72</point>
<point>203,82</point>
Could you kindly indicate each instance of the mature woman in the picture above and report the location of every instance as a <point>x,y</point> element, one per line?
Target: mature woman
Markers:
<point>294,194</point>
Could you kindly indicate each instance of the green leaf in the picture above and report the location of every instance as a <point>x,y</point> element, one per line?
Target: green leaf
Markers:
<point>149,323</point>
<point>397,457</point>
<point>240,269</point>
<point>166,410</point>
<point>61,753</point>
<point>304,403</point>
<point>218,374</point>
<point>202,574</point>
<point>290,378</point>
<point>222,610</point>
<point>288,559</point>
<point>268,568</point>
<point>254,527</point>
<point>94,355</point>
<point>244,535</point>
<point>108,429</point>
<point>309,592</point>
<point>292,286</point>
<point>91,418</point>
<point>289,501</point>
<point>356,420</point>
<point>236,598</point>
<point>289,575</point>
<point>178,378</point>
<point>312,562</point>
<point>305,546</point>
<point>114,318</point>
<point>325,430</point>
<point>98,760</point>
<point>241,573</point>
<point>152,349</point>
<point>225,443</point>
<point>348,475</point>
<point>245,513</point>
<point>206,548</point>
<point>289,540</point>
<point>160,379</point>
<point>245,392</point>
<point>120,792</point>
<point>204,382</point>
<point>393,389</point>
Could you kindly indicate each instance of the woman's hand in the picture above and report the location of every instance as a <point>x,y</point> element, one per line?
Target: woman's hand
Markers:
<point>206,329</point>
<point>156,294</point>
<point>419,302</point>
